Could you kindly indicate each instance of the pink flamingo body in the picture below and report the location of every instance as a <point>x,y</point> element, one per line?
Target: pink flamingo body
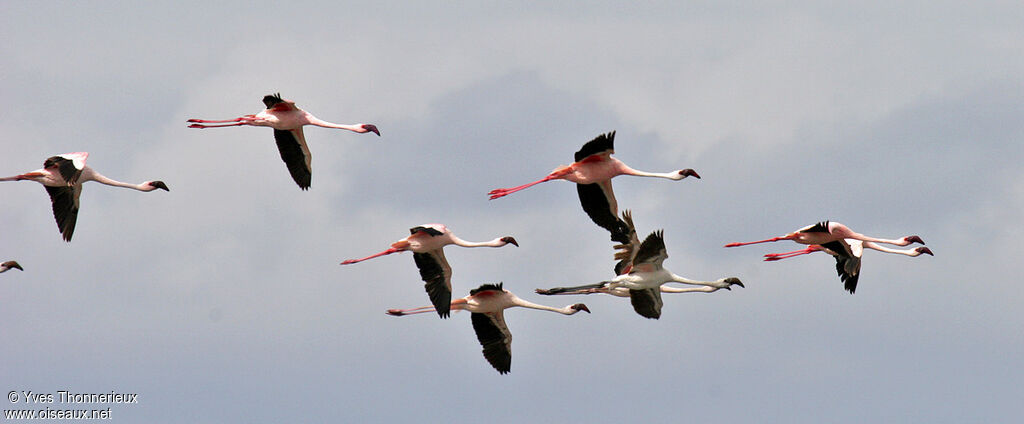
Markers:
<point>62,176</point>
<point>427,243</point>
<point>848,254</point>
<point>287,121</point>
<point>487,304</point>
<point>592,172</point>
<point>826,231</point>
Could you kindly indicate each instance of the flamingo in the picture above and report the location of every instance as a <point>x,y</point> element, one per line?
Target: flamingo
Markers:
<point>427,243</point>
<point>487,304</point>
<point>10,264</point>
<point>825,231</point>
<point>592,172</point>
<point>848,254</point>
<point>645,278</point>
<point>63,175</point>
<point>287,121</point>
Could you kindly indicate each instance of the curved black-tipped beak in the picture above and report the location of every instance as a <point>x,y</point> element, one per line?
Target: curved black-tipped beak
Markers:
<point>915,239</point>
<point>510,240</point>
<point>13,264</point>
<point>925,250</point>
<point>581,307</point>
<point>160,185</point>
<point>735,281</point>
<point>371,128</point>
<point>689,173</point>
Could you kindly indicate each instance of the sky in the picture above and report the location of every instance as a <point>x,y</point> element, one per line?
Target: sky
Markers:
<point>222,300</point>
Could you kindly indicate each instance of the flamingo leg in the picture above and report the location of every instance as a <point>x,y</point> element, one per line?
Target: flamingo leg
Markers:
<point>386,252</point>
<point>786,255</point>
<point>554,175</point>
<point>420,310</point>
<point>760,241</point>
<point>216,126</point>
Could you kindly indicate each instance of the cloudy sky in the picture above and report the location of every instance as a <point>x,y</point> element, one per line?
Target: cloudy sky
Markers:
<point>223,301</point>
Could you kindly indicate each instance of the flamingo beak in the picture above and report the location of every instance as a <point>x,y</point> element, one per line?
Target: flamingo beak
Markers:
<point>371,128</point>
<point>914,239</point>
<point>736,281</point>
<point>13,264</point>
<point>581,307</point>
<point>925,250</point>
<point>510,240</point>
<point>159,185</point>
<point>689,173</point>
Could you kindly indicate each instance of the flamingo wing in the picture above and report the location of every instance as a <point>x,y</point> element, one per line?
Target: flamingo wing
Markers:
<point>597,200</point>
<point>431,231</point>
<point>295,154</point>
<point>652,251</point>
<point>275,102</point>
<point>603,144</point>
<point>821,227</point>
<point>69,166</point>
<point>647,302</point>
<point>627,251</point>
<point>437,279</point>
<point>65,208</point>
<point>495,339</point>
<point>847,263</point>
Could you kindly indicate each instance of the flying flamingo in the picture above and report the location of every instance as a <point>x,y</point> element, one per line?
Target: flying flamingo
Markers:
<point>644,280</point>
<point>848,254</point>
<point>287,121</point>
<point>487,304</point>
<point>10,264</point>
<point>63,175</point>
<point>592,172</point>
<point>427,243</point>
<point>825,231</point>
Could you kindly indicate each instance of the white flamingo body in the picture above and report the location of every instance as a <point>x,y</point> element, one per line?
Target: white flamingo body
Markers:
<point>592,172</point>
<point>644,279</point>
<point>287,121</point>
<point>427,243</point>
<point>63,175</point>
<point>487,304</point>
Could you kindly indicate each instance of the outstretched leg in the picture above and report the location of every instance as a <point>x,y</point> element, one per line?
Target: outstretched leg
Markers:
<point>386,252</point>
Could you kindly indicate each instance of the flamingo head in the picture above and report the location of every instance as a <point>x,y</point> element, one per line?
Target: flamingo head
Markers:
<point>913,239</point>
<point>12,264</point>
<point>510,240</point>
<point>370,128</point>
<point>924,250</point>
<point>683,173</point>
<point>153,185</point>
<point>733,281</point>
<point>579,307</point>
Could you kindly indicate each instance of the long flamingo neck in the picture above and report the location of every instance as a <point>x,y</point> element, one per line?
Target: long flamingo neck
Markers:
<point>386,252</point>
<point>493,243</point>
<point>908,252</point>
<point>636,173</point>
<point>787,237</point>
<point>568,310</point>
<point>95,176</point>
<point>321,123</point>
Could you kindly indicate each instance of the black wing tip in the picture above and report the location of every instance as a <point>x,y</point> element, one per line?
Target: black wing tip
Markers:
<point>425,229</point>
<point>486,287</point>
<point>272,99</point>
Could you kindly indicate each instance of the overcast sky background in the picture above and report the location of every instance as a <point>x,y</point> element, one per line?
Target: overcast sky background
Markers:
<point>223,301</point>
